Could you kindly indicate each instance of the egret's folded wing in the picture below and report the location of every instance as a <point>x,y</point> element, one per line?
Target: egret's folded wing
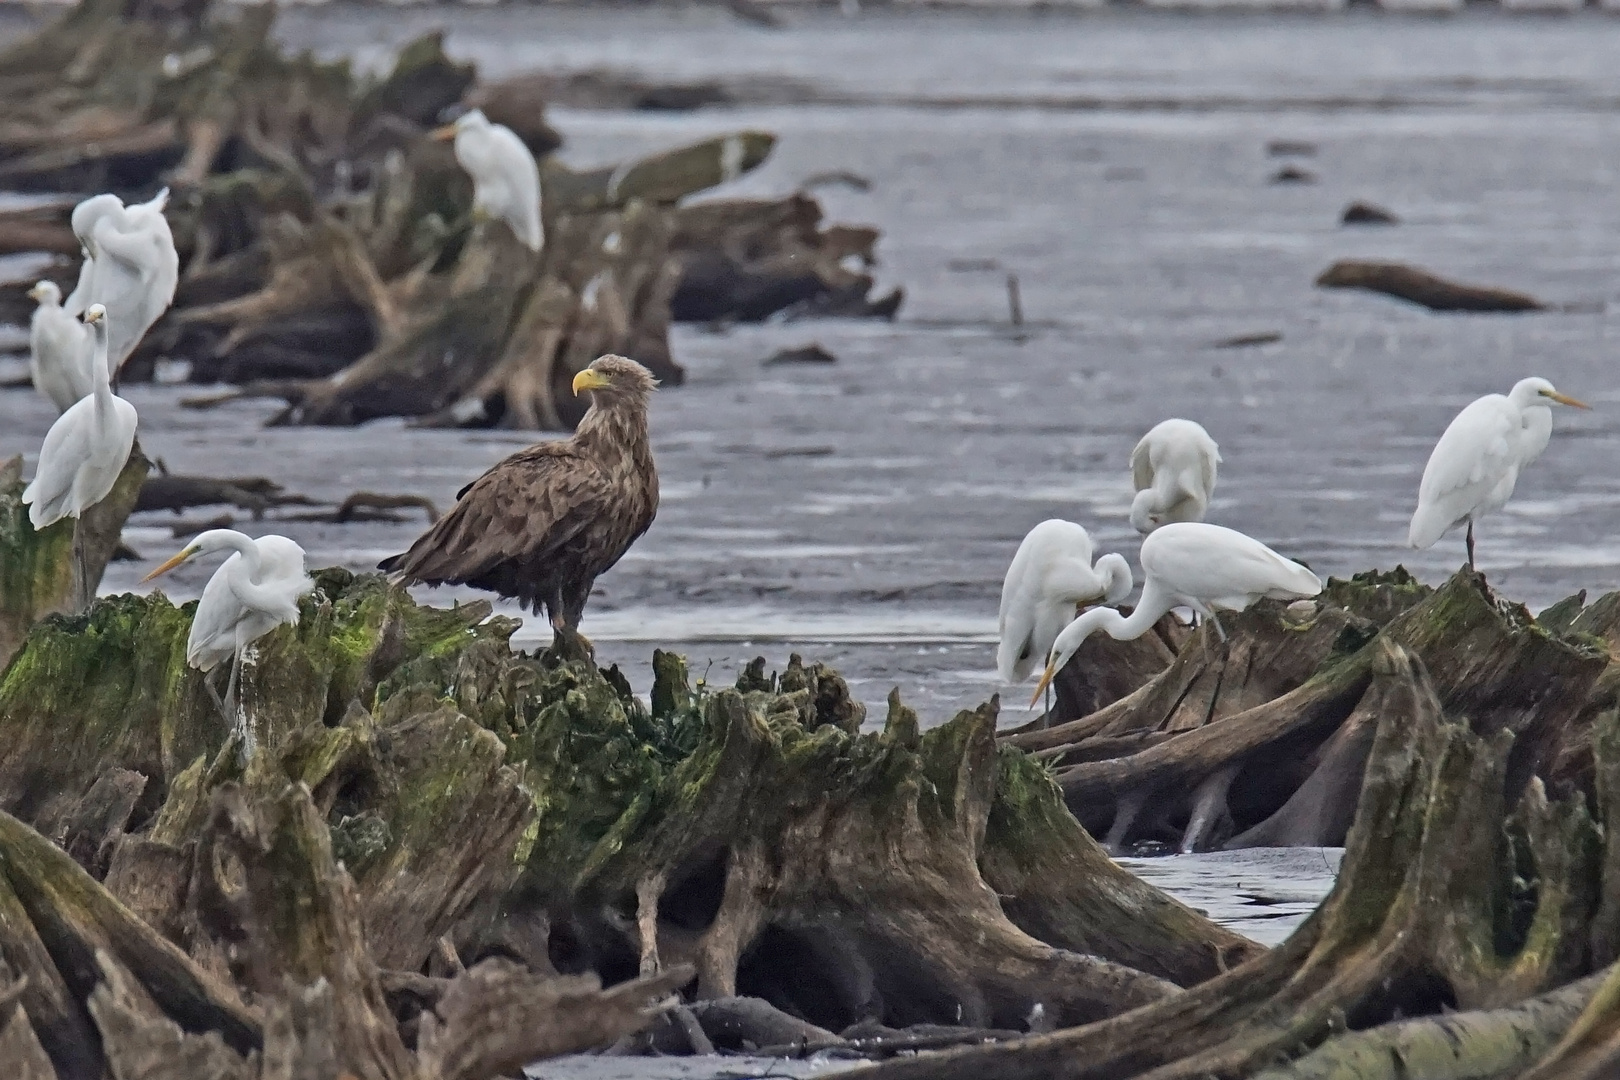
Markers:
<point>1477,450</point>
<point>1141,466</point>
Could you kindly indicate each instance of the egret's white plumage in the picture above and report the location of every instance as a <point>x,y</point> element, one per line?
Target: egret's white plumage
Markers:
<point>1173,468</point>
<point>506,180</point>
<point>83,221</point>
<point>1208,568</point>
<point>87,447</point>
<point>131,267</point>
<point>1476,463</point>
<point>1050,576</point>
<point>254,591</point>
<point>60,349</point>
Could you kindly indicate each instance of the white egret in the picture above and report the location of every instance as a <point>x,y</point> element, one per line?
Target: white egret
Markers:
<point>87,447</point>
<point>1173,468</point>
<point>254,591</point>
<point>83,220</point>
<point>131,266</point>
<point>60,349</point>
<point>1050,576</point>
<point>1476,463</point>
<point>1208,568</point>
<point>506,181</point>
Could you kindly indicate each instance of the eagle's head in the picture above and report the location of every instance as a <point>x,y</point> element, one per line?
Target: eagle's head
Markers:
<point>615,378</point>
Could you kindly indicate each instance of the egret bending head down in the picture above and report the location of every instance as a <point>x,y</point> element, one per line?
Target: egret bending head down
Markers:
<point>1050,576</point>
<point>1476,463</point>
<point>1190,564</point>
<point>1173,468</point>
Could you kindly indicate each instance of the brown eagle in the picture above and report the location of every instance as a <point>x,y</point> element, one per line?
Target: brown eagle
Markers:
<point>542,524</point>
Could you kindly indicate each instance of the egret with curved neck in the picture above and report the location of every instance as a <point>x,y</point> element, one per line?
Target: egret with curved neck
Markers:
<point>254,591</point>
<point>1173,469</point>
<point>1208,568</point>
<point>1051,575</point>
<point>1475,465</point>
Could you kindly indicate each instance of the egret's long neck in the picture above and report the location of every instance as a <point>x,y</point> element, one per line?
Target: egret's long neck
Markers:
<point>246,585</point>
<point>1141,507</point>
<point>101,373</point>
<point>1122,627</point>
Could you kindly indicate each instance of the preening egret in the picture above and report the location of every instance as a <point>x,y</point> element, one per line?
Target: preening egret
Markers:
<point>1208,568</point>
<point>60,349</point>
<point>506,181</point>
<point>1476,463</point>
<point>254,591</point>
<point>1050,576</point>
<point>131,267</point>
<point>1173,468</point>
<point>87,447</point>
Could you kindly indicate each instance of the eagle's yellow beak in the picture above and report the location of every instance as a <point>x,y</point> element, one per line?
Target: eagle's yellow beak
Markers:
<point>171,564</point>
<point>443,134</point>
<point>590,379</point>
<point>1564,399</point>
<point>1040,687</point>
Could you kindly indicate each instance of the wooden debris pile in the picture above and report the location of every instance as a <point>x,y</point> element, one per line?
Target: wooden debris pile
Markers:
<point>329,254</point>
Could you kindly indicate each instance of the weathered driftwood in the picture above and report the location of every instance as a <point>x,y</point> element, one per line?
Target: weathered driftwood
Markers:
<point>1421,287</point>
<point>1261,740</point>
<point>484,804</point>
<point>328,252</point>
<point>1426,914</point>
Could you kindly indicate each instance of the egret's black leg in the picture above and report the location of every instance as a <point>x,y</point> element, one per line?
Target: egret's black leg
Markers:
<point>1470,543</point>
<point>219,703</point>
<point>1219,629</point>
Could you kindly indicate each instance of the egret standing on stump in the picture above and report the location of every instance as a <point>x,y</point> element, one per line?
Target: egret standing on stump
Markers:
<point>541,525</point>
<point>60,348</point>
<point>1476,463</point>
<point>1050,577</point>
<point>1173,468</point>
<point>253,592</point>
<point>506,181</point>
<point>1190,564</point>
<point>87,447</point>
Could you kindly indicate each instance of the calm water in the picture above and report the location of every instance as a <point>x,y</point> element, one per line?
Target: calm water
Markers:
<point>864,512</point>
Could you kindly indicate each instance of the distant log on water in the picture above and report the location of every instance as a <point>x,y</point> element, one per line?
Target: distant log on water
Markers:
<point>1422,287</point>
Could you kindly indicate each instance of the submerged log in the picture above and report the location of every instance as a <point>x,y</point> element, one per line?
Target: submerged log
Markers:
<point>1421,287</point>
